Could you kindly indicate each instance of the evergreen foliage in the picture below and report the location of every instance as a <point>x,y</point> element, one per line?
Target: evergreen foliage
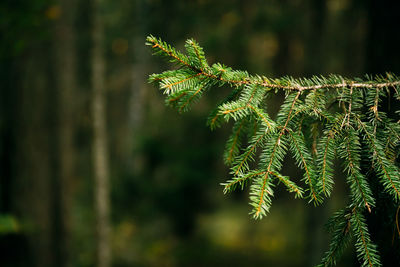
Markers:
<point>320,120</point>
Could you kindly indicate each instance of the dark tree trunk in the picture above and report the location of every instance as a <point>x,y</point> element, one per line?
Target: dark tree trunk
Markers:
<point>138,93</point>
<point>65,53</point>
<point>34,169</point>
<point>100,151</point>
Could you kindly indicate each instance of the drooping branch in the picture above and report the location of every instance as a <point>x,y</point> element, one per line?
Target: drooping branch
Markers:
<point>321,120</point>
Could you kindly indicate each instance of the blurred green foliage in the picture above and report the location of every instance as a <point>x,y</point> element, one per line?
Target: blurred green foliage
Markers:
<point>8,224</point>
<point>167,206</point>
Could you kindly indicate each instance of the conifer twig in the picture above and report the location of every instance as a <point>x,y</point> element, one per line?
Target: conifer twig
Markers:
<point>345,83</point>
<point>321,119</point>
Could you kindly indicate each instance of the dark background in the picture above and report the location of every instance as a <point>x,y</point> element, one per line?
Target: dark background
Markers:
<point>167,207</point>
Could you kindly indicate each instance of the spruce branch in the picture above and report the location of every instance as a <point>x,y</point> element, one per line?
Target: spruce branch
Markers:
<point>333,82</point>
<point>340,228</point>
<point>304,160</point>
<point>240,180</point>
<point>325,158</point>
<point>233,144</point>
<point>322,119</point>
<point>241,163</point>
<point>290,185</point>
<point>350,153</point>
<point>366,250</point>
<point>386,170</point>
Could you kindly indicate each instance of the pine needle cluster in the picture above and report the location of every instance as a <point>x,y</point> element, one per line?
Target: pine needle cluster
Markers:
<point>321,119</point>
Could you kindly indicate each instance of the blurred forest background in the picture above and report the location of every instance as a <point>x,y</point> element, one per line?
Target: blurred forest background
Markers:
<point>92,161</point>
